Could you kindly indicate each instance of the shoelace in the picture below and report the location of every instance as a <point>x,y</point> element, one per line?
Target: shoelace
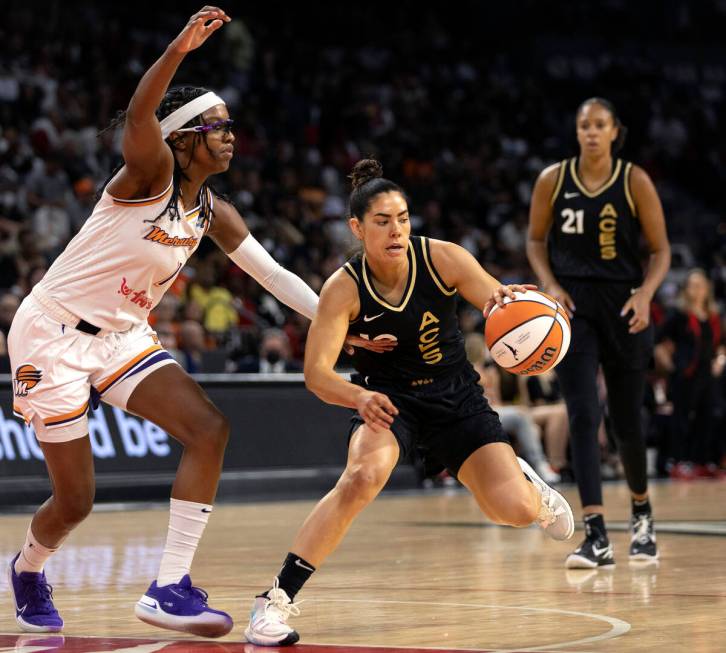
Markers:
<point>199,594</point>
<point>39,593</point>
<point>278,600</point>
<point>196,593</point>
<point>641,528</point>
<point>548,514</point>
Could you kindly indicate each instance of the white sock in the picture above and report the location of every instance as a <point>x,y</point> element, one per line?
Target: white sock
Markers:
<point>187,521</point>
<point>33,555</point>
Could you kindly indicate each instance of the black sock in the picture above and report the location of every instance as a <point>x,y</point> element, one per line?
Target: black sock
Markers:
<point>641,507</point>
<point>595,526</point>
<point>293,575</point>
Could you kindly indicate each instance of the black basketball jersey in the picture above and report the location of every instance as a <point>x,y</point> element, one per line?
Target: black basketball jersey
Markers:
<point>430,345</point>
<point>594,235</point>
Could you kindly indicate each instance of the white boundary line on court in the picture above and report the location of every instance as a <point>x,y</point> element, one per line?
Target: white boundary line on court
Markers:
<point>618,627</point>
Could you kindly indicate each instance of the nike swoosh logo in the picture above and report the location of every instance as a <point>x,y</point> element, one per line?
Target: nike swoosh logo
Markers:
<point>21,610</point>
<point>368,319</point>
<point>569,196</point>
<point>300,564</point>
<point>148,605</point>
<point>206,510</point>
<point>599,552</point>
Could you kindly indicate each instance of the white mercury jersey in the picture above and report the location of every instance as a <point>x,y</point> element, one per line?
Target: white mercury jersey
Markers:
<point>123,260</point>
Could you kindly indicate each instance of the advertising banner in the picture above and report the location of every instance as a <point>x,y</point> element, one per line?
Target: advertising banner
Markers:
<point>273,423</point>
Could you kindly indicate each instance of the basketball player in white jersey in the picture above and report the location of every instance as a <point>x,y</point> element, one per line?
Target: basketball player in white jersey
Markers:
<point>82,335</point>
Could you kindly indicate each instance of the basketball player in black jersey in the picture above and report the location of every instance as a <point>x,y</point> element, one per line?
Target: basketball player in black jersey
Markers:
<point>422,397</point>
<point>586,219</point>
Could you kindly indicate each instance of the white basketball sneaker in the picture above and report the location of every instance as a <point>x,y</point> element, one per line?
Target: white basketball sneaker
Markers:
<point>268,619</point>
<point>555,515</point>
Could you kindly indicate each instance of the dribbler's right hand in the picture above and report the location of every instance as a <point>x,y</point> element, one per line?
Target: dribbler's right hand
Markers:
<point>376,409</point>
<point>199,28</point>
<point>563,297</point>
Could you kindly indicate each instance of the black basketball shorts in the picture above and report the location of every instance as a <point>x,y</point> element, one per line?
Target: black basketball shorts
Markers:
<point>598,328</point>
<point>442,423</point>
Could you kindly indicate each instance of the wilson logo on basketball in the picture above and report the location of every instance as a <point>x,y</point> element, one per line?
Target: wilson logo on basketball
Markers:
<point>26,378</point>
<point>158,235</point>
<point>542,363</point>
<point>528,335</point>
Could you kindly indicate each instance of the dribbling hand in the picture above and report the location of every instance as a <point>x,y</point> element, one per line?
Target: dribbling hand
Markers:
<point>200,27</point>
<point>498,295</point>
<point>376,409</point>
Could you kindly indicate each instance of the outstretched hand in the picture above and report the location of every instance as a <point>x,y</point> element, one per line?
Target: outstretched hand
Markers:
<point>501,292</point>
<point>200,27</point>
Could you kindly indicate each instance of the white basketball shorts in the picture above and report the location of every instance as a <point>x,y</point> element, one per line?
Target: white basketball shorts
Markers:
<point>60,373</point>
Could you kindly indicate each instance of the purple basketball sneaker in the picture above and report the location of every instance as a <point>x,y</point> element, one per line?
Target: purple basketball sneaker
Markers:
<point>33,596</point>
<point>180,606</point>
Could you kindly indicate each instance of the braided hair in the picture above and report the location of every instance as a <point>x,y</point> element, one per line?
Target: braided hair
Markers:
<point>174,99</point>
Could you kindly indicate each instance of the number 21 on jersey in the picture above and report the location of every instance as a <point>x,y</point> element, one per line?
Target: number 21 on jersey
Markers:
<point>574,221</point>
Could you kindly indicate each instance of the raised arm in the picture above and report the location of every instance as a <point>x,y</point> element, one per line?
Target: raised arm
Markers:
<point>338,304</point>
<point>540,222</point>
<point>148,160</point>
<point>652,221</point>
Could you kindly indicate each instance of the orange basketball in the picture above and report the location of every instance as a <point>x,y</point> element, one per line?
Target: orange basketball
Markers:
<point>528,335</point>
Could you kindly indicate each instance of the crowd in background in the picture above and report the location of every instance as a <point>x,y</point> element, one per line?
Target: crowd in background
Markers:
<point>464,107</point>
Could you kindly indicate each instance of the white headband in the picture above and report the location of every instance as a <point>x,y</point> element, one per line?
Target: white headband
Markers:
<point>190,110</point>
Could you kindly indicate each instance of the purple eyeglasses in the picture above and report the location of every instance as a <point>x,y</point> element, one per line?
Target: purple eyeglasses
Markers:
<point>221,125</point>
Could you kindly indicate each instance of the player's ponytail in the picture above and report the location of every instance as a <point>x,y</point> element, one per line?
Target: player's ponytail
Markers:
<point>367,181</point>
<point>619,142</point>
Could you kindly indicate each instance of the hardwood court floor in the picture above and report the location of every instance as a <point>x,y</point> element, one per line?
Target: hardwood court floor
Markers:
<point>420,571</point>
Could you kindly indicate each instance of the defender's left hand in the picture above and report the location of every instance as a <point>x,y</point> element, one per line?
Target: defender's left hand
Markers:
<point>377,346</point>
<point>639,304</point>
<point>501,292</point>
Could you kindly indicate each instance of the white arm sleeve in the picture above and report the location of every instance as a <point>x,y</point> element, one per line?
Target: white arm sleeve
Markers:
<point>290,289</point>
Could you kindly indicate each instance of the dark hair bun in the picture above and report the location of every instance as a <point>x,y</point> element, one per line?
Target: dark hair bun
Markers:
<point>364,171</point>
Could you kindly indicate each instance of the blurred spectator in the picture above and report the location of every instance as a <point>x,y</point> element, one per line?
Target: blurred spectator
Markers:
<point>690,350</point>
<point>17,264</point>
<point>547,407</point>
<point>80,206</point>
<point>192,345</point>
<point>9,304</point>
<point>4,358</point>
<point>516,420</point>
<point>273,357</point>
<point>48,192</point>
<point>167,310</point>
<point>216,302</point>
<point>168,340</point>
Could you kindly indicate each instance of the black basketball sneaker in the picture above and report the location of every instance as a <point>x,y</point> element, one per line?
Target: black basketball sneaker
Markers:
<point>591,554</point>
<point>642,540</point>
<point>595,551</point>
